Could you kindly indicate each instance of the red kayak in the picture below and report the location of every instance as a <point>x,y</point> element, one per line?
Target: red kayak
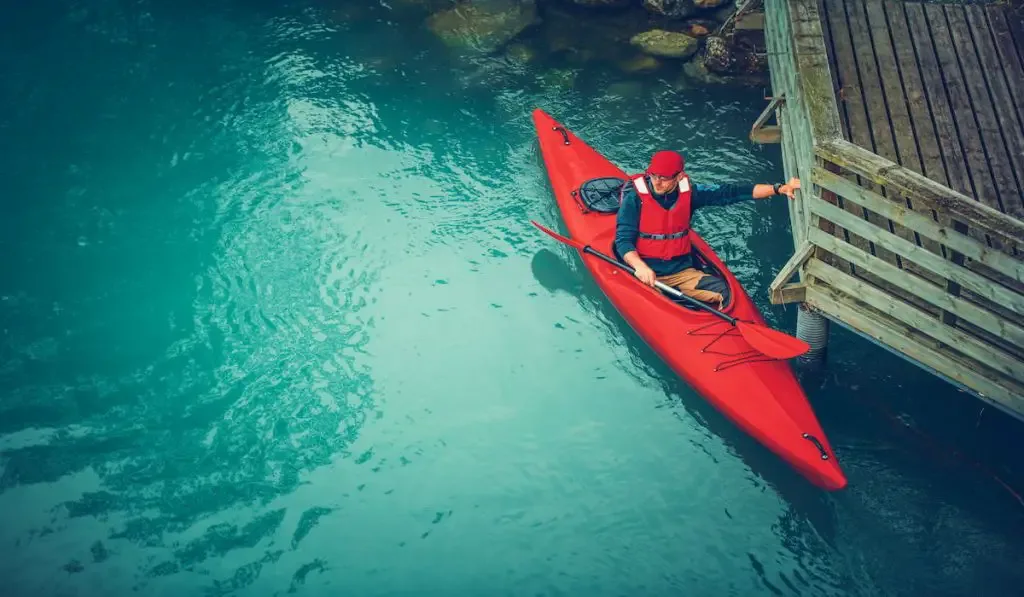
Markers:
<point>759,394</point>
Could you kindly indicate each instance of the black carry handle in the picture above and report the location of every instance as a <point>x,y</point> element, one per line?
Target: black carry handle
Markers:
<point>824,454</point>
<point>565,135</point>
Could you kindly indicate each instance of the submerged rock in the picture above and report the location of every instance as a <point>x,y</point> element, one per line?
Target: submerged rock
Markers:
<point>704,4</point>
<point>676,9</point>
<point>694,71</point>
<point>559,78</point>
<point>700,27</point>
<point>666,44</point>
<point>603,3</point>
<point>483,26</point>
<point>520,53</point>
<point>726,58</point>
<point>637,64</point>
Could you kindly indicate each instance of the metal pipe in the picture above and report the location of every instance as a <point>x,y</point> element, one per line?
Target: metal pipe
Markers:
<point>812,328</point>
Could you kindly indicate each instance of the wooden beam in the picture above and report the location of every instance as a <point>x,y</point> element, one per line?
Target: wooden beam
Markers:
<point>791,293</point>
<point>759,133</point>
<point>767,112</point>
<point>799,257</point>
<point>997,260</point>
<point>766,135</point>
<point>966,310</point>
<point>814,78</point>
<point>970,346</point>
<point>905,341</point>
<point>966,278</point>
<point>910,183</point>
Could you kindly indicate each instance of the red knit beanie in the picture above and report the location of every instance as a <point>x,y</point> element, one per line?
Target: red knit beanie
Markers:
<point>666,163</point>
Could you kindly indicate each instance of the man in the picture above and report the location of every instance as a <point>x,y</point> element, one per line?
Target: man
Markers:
<point>653,224</point>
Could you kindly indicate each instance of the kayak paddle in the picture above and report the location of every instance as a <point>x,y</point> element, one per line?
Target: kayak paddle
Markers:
<point>772,343</point>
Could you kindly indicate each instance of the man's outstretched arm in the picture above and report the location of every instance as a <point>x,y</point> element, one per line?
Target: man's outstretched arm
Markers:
<point>705,195</point>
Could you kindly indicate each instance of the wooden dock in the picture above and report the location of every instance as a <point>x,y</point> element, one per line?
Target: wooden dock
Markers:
<point>907,120</point>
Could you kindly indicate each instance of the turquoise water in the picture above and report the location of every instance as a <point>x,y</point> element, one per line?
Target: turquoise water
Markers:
<point>274,320</point>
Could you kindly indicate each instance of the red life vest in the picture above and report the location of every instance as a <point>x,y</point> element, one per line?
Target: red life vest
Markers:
<point>664,233</point>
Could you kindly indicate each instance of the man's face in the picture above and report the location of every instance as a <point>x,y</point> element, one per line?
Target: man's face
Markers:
<point>665,184</point>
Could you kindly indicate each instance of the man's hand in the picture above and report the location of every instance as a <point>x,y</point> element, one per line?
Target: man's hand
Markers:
<point>645,274</point>
<point>641,270</point>
<point>789,189</point>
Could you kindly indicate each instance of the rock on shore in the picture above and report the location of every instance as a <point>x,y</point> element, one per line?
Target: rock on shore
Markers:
<point>696,39</point>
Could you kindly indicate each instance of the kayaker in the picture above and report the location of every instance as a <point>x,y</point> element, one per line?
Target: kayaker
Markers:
<point>653,223</point>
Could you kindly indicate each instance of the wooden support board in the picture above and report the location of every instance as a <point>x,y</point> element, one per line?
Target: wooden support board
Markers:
<point>1004,393</point>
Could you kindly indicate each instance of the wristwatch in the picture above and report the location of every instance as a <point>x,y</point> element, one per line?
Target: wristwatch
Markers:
<point>777,186</point>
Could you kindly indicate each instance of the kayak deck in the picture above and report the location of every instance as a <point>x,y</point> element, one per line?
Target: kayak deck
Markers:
<point>760,395</point>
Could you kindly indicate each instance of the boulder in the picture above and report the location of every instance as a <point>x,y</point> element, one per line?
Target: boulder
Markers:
<point>482,26</point>
<point>666,44</point>
<point>726,58</point>
<point>681,9</point>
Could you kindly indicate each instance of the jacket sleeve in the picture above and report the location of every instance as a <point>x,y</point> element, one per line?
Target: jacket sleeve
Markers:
<point>711,194</point>
<point>627,221</point>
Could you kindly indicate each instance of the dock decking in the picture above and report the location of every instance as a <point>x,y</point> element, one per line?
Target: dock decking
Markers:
<point>908,118</point>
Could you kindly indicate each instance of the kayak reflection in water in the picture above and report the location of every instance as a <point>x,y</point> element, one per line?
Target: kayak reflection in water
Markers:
<point>652,231</point>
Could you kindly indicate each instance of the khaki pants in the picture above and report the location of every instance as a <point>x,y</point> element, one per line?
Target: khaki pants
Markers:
<point>686,281</point>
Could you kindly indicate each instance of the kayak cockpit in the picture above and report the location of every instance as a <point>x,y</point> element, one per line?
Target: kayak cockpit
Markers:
<point>601,195</point>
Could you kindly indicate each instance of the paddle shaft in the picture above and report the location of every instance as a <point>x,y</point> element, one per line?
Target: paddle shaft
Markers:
<point>661,285</point>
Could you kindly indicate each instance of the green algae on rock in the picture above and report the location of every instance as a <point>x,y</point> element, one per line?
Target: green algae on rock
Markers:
<point>666,44</point>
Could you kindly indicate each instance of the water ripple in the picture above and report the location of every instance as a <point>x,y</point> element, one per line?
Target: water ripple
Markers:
<point>274,327</point>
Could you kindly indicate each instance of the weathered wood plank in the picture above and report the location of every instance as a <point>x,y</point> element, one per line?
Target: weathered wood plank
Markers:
<point>791,114</point>
<point>967,127</point>
<point>945,146</point>
<point>1009,125</point>
<point>935,295</point>
<point>904,340</point>
<point>850,100</point>
<point>997,260</point>
<point>793,140</point>
<point>929,113</point>
<point>802,253</point>
<point>1009,58</point>
<point>826,37</point>
<point>985,111</point>
<point>767,113</point>
<point>790,293</point>
<point>919,320</point>
<point>900,141</point>
<point>812,68</point>
<point>920,188</point>
<point>877,137</point>
<point>933,262</point>
<point>918,103</point>
<point>898,123</point>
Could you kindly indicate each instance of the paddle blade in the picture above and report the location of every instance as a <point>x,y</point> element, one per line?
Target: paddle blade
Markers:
<point>772,343</point>
<point>559,237</point>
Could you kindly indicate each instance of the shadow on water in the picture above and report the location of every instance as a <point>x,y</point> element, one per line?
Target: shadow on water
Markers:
<point>899,503</point>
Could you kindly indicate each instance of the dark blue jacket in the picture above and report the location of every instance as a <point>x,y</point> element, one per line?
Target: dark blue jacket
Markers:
<point>703,195</point>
